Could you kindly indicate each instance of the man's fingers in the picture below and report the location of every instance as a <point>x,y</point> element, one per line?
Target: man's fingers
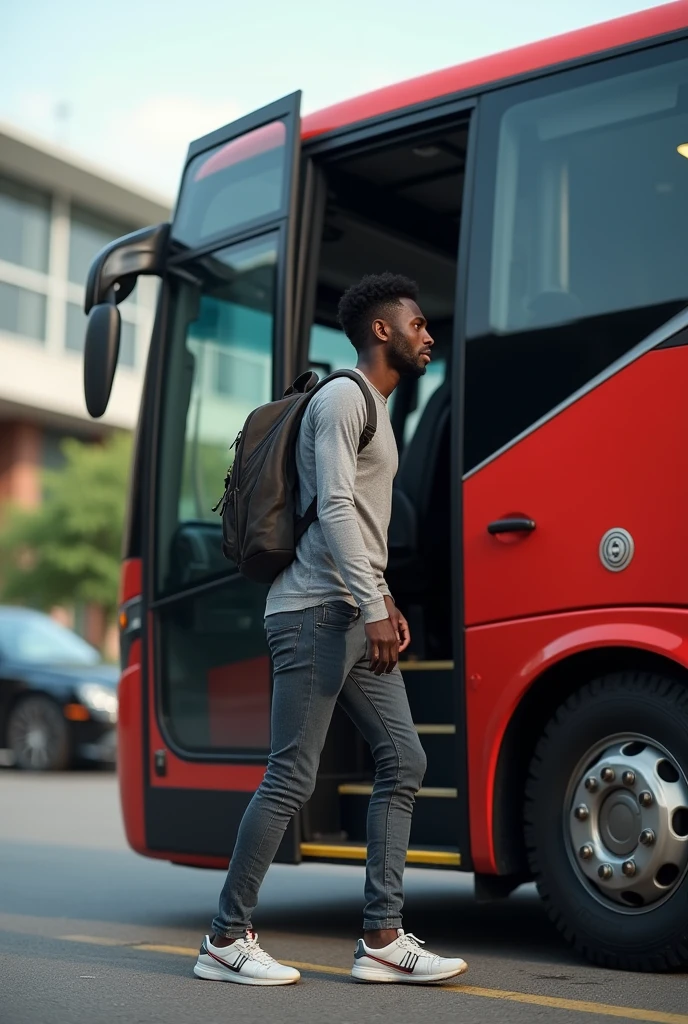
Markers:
<point>405,635</point>
<point>392,657</point>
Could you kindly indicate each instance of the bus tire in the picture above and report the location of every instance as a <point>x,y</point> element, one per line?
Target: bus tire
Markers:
<point>606,821</point>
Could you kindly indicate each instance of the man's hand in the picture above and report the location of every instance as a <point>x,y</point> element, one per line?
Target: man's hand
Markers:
<point>387,639</point>
<point>401,626</point>
<point>383,646</point>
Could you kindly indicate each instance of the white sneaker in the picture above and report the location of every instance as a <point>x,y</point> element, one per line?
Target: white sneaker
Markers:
<point>404,961</point>
<point>244,962</point>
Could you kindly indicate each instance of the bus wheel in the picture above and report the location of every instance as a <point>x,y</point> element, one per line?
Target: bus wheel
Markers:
<point>606,821</point>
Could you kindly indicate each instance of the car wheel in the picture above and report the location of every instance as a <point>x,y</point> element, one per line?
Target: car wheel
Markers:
<point>606,821</point>
<point>38,735</point>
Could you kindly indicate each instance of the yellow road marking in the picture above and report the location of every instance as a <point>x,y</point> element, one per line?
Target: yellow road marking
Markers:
<point>335,852</point>
<point>579,1005</point>
<point>554,1002</point>
<point>320,968</point>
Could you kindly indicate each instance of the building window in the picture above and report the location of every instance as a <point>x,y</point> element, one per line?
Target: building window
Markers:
<point>22,311</point>
<point>24,225</point>
<point>87,236</point>
<point>75,335</point>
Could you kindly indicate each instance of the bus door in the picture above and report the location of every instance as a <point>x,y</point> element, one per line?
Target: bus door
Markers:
<point>224,348</point>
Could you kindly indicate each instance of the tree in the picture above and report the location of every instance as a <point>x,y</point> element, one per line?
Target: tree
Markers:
<point>68,550</point>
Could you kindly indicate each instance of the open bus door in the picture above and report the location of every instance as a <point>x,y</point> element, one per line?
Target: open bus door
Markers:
<point>223,344</point>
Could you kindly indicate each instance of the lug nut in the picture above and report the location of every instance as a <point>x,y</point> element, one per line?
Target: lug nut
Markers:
<point>608,774</point>
<point>629,868</point>
<point>645,799</point>
<point>605,871</point>
<point>591,784</point>
<point>582,813</point>
<point>628,778</point>
<point>647,837</point>
<point>585,852</point>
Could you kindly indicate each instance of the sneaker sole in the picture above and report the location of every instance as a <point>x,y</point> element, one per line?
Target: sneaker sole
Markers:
<point>217,974</point>
<point>372,974</point>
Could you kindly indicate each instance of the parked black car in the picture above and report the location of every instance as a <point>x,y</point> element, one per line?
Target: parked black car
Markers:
<point>58,699</point>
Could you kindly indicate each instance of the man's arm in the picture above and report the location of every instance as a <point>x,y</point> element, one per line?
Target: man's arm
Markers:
<point>338,422</point>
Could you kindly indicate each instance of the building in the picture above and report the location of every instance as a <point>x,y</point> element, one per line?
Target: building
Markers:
<point>56,212</point>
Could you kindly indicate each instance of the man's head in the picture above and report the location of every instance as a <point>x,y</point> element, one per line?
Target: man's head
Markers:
<point>381,314</point>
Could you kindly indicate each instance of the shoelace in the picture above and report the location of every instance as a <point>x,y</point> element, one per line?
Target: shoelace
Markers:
<point>257,952</point>
<point>410,941</point>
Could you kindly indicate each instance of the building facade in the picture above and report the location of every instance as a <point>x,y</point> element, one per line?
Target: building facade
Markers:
<point>56,212</point>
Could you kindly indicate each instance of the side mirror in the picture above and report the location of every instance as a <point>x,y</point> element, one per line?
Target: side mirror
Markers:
<point>111,279</point>
<point>100,356</point>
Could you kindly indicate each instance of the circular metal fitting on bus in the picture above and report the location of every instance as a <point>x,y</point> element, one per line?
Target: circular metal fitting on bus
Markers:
<point>617,548</point>
<point>627,841</point>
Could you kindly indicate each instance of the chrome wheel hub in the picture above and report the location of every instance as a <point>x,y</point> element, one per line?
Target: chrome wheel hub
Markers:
<point>626,823</point>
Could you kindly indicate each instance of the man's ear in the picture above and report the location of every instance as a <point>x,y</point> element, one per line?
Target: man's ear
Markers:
<point>380,329</point>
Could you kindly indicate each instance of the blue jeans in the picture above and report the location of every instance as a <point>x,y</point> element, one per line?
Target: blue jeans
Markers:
<point>320,659</point>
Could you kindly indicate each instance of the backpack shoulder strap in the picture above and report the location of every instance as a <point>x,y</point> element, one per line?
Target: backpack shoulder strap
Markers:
<point>367,435</point>
<point>370,427</point>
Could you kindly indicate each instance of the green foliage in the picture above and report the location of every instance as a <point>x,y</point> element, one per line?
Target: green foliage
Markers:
<point>68,550</point>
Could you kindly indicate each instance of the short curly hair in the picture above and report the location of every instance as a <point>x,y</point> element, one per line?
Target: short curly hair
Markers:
<point>375,295</point>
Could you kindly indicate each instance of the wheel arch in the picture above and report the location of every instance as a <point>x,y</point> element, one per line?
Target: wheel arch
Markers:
<point>537,705</point>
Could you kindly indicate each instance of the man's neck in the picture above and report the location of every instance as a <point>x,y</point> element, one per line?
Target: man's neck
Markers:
<point>380,376</point>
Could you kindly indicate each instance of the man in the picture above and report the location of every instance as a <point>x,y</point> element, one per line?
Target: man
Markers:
<point>335,635</point>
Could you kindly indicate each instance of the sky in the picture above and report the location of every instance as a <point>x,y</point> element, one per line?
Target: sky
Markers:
<point>128,85</point>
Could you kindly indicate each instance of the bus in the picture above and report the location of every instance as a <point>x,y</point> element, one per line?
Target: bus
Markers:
<point>538,541</point>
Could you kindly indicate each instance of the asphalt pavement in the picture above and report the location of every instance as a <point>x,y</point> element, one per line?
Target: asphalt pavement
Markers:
<point>91,933</point>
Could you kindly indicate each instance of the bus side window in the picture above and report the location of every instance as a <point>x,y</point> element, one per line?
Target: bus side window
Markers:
<point>578,243</point>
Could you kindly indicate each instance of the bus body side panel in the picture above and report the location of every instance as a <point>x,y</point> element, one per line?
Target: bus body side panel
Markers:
<point>130,756</point>
<point>612,459</point>
<point>505,659</point>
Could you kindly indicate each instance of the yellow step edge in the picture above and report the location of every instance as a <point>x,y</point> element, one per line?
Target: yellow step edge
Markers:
<point>365,789</point>
<point>335,852</point>
<point>426,666</point>
<point>436,730</point>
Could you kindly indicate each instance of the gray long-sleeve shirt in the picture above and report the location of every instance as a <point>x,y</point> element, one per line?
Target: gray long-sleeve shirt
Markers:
<point>343,555</point>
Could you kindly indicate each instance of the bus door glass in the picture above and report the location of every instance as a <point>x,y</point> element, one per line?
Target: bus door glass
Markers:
<point>229,295</point>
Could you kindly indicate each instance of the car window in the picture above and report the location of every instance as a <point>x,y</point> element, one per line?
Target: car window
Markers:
<point>43,641</point>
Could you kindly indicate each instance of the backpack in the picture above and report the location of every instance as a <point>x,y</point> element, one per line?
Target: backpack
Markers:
<point>260,527</point>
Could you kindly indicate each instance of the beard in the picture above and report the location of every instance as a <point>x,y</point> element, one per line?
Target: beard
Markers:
<point>402,356</point>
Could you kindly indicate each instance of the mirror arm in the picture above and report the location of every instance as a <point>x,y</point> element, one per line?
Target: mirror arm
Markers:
<point>113,272</point>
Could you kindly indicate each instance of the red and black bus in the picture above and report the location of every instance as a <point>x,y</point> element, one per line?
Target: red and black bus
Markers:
<point>538,543</point>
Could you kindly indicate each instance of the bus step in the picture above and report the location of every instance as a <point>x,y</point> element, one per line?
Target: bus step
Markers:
<point>448,856</point>
<point>439,744</point>
<point>434,821</point>
<point>429,685</point>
